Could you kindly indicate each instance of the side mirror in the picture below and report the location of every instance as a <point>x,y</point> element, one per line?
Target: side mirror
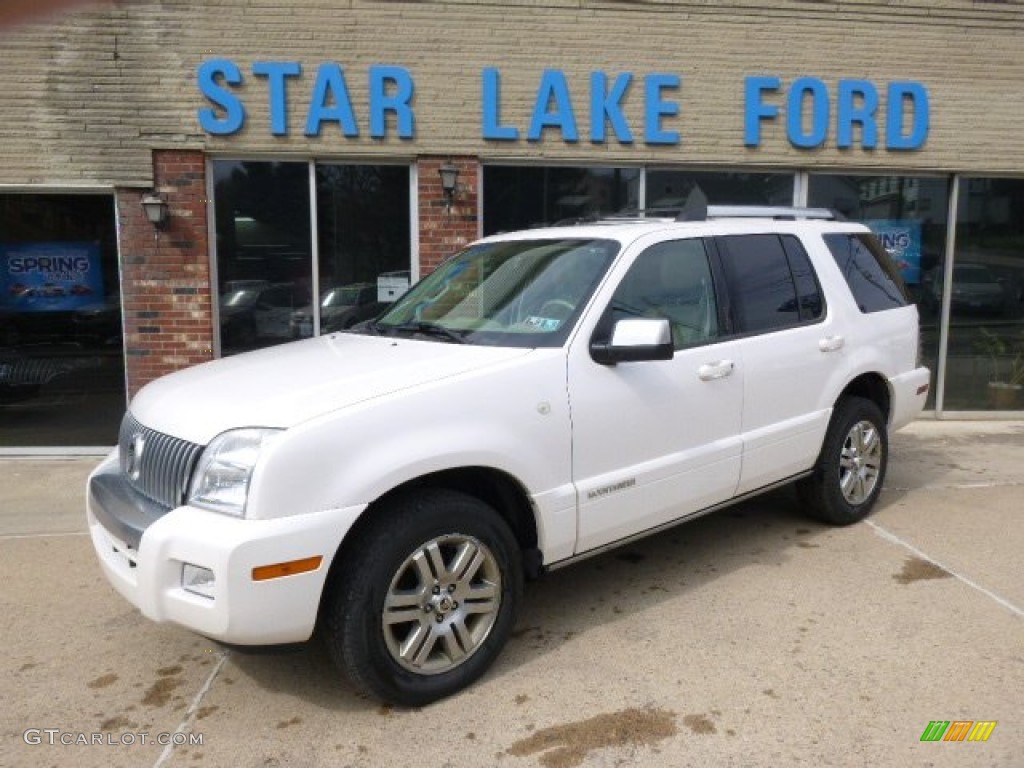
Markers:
<point>634,340</point>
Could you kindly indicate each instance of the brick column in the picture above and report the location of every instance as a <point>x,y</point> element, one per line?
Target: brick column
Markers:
<point>442,232</point>
<point>165,274</point>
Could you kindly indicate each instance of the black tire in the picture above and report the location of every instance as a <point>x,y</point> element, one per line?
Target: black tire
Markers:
<point>850,470</point>
<point>445,623</point>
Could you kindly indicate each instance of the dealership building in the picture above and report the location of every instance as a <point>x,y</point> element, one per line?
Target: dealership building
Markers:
<point>182,180</point>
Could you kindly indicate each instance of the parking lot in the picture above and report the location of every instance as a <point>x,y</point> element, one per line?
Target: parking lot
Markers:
<point>751,637</point>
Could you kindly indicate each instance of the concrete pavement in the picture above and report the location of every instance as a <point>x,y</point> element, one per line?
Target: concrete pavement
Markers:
<point>751,637</point>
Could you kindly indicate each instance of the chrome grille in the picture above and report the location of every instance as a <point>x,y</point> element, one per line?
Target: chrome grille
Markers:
<point>161,470</point>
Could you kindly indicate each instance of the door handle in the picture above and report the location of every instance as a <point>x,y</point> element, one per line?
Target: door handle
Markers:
<point>831,343</point>
<point>716,370</point>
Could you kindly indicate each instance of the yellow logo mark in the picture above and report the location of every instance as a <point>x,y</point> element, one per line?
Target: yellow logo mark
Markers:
<point>982,730</point>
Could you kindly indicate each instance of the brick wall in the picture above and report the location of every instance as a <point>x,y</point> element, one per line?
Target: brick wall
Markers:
<point>442,230</point>
<point>166,274</point>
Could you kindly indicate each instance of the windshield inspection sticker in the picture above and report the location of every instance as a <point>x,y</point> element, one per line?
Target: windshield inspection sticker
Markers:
<point>544,324</point>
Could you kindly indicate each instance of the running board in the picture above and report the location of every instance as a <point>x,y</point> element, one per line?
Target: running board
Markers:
<point>673,523</point>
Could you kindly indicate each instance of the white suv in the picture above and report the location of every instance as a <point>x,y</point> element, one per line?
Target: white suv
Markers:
<point>540,397</point>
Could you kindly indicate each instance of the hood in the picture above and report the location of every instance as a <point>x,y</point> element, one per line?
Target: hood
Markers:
<point>291,383</point>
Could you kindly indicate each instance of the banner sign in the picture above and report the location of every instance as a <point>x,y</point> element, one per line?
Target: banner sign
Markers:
<point>49,277</point>
<point>902,239</point>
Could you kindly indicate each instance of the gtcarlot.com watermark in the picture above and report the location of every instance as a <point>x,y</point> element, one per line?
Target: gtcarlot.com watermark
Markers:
<point>54,737</point>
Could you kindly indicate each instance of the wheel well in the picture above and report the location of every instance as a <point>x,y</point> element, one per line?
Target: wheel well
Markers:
<point>497,489</point>
<point>870,386</point>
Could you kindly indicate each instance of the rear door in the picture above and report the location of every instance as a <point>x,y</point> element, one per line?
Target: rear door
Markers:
<point>790,349</point>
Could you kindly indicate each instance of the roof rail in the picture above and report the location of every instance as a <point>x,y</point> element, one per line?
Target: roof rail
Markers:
<point>778,212</point>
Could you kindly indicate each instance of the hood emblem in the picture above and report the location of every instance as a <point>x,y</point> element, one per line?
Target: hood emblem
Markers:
<point>133,456</point>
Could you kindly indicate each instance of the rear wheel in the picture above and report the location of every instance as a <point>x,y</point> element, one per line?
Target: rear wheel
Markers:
<point>848,476</point>
<point>426,597</point>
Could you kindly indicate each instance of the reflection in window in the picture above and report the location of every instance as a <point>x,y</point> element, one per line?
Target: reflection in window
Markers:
<point>811,301</point>
<point>870,273</point>
<point>264,254</point>
<point>670,188</point>
<point>363,236</point>
<point>62,376</point>
<point>520,197</point>
<point>764,295</point>
<point>985,364</point>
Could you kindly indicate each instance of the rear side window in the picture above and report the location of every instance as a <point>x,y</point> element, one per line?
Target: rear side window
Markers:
<point>771,285</point>
<point>874,281</point>
<point>811,301</point>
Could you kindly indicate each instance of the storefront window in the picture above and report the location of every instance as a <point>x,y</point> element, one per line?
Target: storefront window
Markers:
<point>363,234</point>
<point>62,379</point>
<point>669,189</point>
<point>519,197</point>
<point>265,254</point>
<point>264,251</point>
<point>909,214</point>
<point>985,363</point>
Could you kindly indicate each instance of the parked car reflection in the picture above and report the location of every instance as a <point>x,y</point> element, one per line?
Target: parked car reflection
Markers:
<point>98,324</point>
<point>341,307</point>
<point>976,290</point>
<point>257,314</point>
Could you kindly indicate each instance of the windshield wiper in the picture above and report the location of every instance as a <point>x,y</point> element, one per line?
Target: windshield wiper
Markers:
<point>424,328</point>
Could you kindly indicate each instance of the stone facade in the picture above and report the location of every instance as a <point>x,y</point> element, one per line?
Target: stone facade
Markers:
<point>108,96</point>
<point>99,87</point>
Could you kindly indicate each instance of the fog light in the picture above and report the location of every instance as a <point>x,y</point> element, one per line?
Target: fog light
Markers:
<point>197,580</point>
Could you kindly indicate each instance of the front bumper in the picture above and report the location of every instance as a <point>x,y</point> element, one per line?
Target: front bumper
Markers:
<point>143,550</point>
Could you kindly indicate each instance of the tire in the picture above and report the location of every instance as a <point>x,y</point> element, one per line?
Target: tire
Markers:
<point>850,470</point>
<point>426,597</point>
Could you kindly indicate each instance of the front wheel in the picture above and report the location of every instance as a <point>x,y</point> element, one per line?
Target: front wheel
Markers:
<point>848,476</point>
<point>426,597</point>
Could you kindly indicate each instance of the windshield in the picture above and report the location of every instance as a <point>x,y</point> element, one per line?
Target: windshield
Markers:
<point>522,293</point>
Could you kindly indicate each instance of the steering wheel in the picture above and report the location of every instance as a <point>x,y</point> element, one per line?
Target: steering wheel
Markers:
<point>556,309</point>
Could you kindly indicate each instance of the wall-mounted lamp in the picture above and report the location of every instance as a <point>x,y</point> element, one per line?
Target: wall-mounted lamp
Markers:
<point>449,181</point>
<point>156,209</point>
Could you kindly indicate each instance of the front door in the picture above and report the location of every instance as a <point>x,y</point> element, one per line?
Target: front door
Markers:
<point>655,441</point>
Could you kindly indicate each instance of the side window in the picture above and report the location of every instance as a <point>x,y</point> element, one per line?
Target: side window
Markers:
<point>809,296</point>
<point>761,284</point>
<point>873,278</point>
<point>671,280</point>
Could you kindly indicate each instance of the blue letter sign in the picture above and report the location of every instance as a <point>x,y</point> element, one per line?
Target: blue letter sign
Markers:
<point>657,108</point>
<point>231,106</point>
<point>553,88</point>
<point>277,73</point>
<point>330,86</point>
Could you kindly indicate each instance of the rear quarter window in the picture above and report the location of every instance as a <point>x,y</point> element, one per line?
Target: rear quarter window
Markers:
<point>874,281</point>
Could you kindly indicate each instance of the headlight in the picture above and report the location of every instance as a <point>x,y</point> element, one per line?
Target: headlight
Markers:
<point>220,482</point>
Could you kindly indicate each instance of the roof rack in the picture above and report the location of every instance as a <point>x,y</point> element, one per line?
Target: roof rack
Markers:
<point>777,212</point>
<point>697,209</point>
<point>703,212</point>
<point>625,216</point>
